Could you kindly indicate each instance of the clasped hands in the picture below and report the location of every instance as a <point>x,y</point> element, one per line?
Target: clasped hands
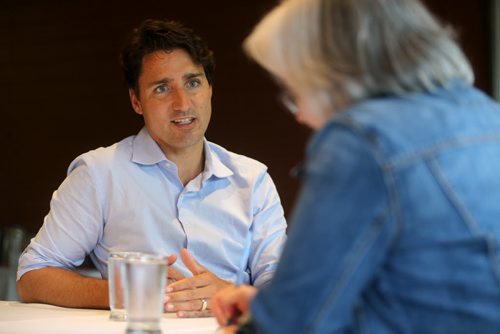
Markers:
<point>191,296</point>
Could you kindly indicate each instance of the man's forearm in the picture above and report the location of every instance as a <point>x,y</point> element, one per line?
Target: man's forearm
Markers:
<point>63,287</point>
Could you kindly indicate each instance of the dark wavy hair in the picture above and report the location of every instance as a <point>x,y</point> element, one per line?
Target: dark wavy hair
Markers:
<point>158,35</point>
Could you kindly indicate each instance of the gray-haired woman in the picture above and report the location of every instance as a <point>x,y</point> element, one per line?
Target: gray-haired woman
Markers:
<point>397,227</point>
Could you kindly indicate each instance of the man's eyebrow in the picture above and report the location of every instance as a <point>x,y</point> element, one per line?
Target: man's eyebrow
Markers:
<point>161,81</point>
<point>188,76</point>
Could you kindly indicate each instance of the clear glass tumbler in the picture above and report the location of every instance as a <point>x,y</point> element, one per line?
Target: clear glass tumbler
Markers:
<point>145,279</point>
<point>116,284</point>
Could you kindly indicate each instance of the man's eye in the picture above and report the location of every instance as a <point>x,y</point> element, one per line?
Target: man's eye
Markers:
<point>161,89</point>
<point>193,83</point>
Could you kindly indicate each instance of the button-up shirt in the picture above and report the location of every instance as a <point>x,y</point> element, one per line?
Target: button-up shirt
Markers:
<point>128,197</point>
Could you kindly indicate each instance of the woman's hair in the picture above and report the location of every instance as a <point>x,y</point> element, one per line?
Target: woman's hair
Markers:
<point>340,51</point>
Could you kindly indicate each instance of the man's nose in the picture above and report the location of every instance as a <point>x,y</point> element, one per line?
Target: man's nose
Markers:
<point>180,100</point>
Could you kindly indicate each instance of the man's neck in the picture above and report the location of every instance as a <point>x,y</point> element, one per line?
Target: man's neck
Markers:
<point>190,162</point>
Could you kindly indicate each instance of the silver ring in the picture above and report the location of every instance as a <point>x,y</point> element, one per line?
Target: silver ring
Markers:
<point>204,304</point>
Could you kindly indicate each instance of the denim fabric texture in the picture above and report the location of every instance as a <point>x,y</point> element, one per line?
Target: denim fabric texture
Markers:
<point>397,226</point>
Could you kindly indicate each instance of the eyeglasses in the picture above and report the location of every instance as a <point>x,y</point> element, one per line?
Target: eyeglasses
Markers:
<point>288,101</point>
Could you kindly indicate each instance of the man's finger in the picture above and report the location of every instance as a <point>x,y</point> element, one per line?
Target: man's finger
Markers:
<point>175,294</point>
<point>171,259</point>
<point>194,282</point>
<point>187,305</point>
<point>191,263</point>
<point>174,274</point>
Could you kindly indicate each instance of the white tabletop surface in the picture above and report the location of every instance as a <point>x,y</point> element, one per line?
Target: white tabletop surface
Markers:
<point>23,318</point>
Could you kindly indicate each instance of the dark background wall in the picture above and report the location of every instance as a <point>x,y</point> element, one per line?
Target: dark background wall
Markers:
<point>61,92</point>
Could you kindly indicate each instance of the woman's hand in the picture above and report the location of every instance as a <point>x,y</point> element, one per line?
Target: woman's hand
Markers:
<point>231,305</point>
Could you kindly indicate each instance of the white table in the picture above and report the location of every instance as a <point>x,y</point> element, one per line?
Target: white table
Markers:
<point>22,318</point>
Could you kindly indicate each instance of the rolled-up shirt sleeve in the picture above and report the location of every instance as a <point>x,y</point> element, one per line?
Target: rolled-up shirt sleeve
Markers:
<point>72,227</point>
<point>268,231</point>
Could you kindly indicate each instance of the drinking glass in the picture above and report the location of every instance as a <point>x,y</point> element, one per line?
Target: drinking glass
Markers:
<point>145,279</point>
<point>116,277</point>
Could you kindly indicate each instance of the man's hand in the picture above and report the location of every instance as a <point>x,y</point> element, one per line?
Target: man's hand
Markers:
<point>173,275</point>
<point>191,296</point>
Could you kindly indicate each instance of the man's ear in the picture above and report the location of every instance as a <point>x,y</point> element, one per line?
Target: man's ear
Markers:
<point>136,104</point>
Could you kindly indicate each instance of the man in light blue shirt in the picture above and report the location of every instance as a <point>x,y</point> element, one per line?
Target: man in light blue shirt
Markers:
<point>166,190</point>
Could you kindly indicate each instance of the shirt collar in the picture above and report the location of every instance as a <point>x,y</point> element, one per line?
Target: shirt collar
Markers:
<point>147,152</point>
<point>213,164</point>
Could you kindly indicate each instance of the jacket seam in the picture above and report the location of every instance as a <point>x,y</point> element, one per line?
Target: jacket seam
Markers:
<point>427,153</point>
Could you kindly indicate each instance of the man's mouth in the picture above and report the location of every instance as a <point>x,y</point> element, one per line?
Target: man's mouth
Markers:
<point>183,121</point>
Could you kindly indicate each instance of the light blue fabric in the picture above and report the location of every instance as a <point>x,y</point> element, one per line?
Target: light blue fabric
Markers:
<point>397,228</point>
<point>128,197</point>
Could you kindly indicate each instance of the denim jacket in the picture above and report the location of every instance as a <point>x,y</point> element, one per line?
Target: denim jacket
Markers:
<point>397,226</point>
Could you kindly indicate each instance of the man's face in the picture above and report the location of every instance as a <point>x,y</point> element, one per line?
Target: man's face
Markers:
<point>174,99</point>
